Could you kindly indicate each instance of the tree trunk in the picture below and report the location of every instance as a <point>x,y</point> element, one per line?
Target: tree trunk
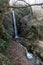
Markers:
<point>2,12</point>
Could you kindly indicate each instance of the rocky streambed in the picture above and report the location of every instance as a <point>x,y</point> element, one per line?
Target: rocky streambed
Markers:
<point>34,52</point>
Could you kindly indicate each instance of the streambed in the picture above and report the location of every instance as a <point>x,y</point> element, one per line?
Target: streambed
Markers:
<point>35,60</point>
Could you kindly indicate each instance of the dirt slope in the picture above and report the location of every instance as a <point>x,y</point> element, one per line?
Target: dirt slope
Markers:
<point>18,54</point>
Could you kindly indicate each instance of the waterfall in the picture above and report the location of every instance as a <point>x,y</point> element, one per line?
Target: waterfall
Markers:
<point>29,55</point>
<point>15,27</point>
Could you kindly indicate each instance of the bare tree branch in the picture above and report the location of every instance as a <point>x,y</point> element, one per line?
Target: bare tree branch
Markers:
<point>25,6</point>
<point>36,4</point>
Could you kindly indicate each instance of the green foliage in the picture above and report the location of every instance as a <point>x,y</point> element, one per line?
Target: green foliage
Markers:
<point>3,2</point>
<point>0,62</point>
<point>4,42</point>
<point>30,48</point>
<point>6,37</point>
<point>23,11</point>
<point>32,33</point>
<point>2,45</point>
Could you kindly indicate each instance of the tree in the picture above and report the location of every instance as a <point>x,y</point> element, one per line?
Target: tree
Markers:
<point>3,9</point>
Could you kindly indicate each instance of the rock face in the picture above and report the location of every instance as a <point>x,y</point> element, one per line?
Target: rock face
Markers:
<point>24,20</point>
<point>8,23</point>
<point>38,12</point>
<point>21,25</point>
<point>27,21</point>
<point>19,14</point>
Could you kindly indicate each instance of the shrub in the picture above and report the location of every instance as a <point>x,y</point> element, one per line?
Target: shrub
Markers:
<point>23,11</point>
<point>6,37</point>
<point>4,42</point>
<point>3,45</point>
<point>32,33</point>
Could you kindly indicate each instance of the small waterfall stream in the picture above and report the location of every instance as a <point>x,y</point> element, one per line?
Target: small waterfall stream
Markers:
<point>29,55</point>
<point>15,27</point>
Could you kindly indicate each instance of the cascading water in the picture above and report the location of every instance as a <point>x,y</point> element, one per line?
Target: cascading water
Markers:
<point>15,27</point>
<point>34,59</point>
<point>29,55</point>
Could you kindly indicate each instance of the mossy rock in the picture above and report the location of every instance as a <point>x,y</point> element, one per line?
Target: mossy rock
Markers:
<point>30,47</point>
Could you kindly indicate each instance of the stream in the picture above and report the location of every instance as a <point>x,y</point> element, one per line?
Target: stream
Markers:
<point>34,59</point>
<point>15,27</point>
<point>30,56</point>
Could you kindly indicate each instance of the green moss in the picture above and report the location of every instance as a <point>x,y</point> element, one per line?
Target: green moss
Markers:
<point>23,11</point>
<point>2,45</point>
<point>32,33</point>
<point>3,2</point>
<point>6,37</point>
<point>29,47</point>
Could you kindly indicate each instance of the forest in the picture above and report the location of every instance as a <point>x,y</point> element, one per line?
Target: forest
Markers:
<point>21,33</point>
